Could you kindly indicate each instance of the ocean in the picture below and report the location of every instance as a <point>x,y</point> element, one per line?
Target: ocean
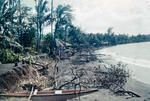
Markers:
<point>136,56</point>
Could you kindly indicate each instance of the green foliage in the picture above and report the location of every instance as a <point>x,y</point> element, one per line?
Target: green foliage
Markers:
<point>76,37</point>
<point>48,43</point>
<point>10,43</point>
<point>26,29</point>
<point>29,50</point>
<point>8,10</point>
<point>45,49</point>
<point>63,21</point>
<point>27,37</point>
<point>8,56</point>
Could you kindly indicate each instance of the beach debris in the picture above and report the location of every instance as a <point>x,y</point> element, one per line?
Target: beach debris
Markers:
<point>113,77</point>
<point>124,92</point>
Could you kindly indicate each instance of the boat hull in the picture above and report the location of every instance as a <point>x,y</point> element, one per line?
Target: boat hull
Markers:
<point>55,97</point>
<point>47,96</point>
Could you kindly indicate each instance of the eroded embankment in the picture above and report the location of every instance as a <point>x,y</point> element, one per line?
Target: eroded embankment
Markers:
<point>14,78</point>
<point>10,79</point>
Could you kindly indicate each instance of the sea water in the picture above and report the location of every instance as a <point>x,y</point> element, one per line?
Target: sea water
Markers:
<point>136,55</point>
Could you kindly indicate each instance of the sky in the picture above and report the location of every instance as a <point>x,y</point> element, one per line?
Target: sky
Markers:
<point>96,16</point>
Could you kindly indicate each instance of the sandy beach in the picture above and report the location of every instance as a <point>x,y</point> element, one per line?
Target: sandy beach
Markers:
<point>132,84</point>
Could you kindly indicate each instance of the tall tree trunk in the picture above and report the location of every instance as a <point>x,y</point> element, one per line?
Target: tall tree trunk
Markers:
<point>52,30</point>
<point>20,22</point>
<point>37,37</point>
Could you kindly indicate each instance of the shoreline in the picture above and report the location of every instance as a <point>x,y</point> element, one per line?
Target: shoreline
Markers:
<point>132,84</point>
<point>139,67</point>
<point>137,72</point>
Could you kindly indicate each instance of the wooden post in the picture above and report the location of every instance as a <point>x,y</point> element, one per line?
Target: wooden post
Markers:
<point>31,93</point>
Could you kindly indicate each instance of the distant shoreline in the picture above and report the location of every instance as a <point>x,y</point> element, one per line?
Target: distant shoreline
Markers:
<point>138,70</point>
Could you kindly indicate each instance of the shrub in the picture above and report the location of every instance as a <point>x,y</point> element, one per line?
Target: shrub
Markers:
<point>29,50</point>
<point>8,56</point>
<point>113,78</point>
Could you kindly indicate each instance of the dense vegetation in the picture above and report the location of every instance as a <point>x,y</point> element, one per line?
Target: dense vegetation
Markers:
<point>21,30</point>
<point>76,36</point>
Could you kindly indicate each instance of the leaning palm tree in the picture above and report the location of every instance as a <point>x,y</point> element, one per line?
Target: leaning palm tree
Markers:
<point>42,17</point>
<point>63,19</point>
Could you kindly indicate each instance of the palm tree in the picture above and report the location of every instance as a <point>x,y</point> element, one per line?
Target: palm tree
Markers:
<point>8,9</point>
<point>63,20</point>
<point>8,26</point>
<point>42,17</point>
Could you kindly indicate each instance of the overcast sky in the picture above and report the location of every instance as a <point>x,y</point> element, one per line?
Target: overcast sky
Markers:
<point>125,16</point>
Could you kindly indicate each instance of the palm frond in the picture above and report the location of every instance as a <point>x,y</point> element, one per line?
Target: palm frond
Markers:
<point>44,6</point>
<point>63,10</point>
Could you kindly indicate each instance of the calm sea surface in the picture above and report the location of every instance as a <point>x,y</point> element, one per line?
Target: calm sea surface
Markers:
<point>136,55</point>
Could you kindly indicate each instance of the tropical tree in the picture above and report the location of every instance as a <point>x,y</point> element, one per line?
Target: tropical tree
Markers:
<point>8,9</point>
<point>74,35</point>
<point>8,26</point>
<point>28,35</point>
<point>63,21</point>
<point>42,18</point>
<point>25,26</point>
<point>61,17</point>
